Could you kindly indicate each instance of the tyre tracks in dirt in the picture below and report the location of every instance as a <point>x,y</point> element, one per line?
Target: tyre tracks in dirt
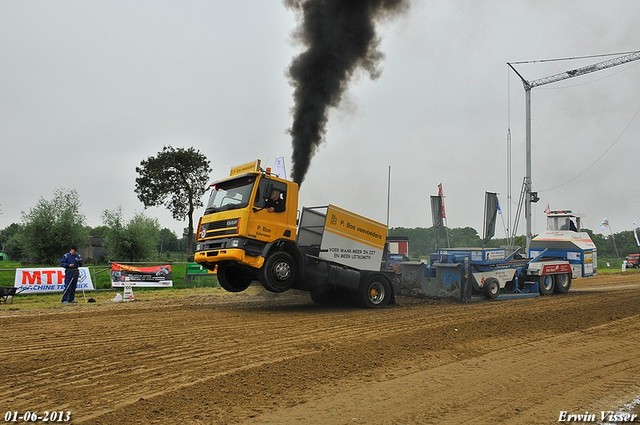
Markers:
<point>502,386</point>
<point>267,359</point>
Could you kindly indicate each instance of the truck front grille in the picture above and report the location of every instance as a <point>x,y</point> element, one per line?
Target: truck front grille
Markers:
<point>216,229</point>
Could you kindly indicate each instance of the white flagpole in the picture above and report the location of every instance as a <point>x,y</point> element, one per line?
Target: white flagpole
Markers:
<point>388,194</point>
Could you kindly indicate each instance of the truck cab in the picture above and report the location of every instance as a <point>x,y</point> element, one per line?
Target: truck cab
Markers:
<point>563,220</point>
<point>238,230</point>
<point>565,240</point>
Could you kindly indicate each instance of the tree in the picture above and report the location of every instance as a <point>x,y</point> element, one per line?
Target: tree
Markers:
<point>132,241</point>
<point>464,236</point>
<point>51,227</point>
<point>168,241</point>
<point>423,241</point>
<point>99,231</point>
<point>11,242</point>
<point>176,179</point>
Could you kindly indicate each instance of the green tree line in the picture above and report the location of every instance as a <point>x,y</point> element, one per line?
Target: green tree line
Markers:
<point>175,178</point>
<point>49,228</point>
<point>52,226</point>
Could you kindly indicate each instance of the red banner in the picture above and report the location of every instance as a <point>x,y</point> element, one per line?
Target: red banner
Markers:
<point>441,195</point>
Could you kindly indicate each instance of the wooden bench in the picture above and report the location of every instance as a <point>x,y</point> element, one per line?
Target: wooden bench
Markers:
<point>195,270</point>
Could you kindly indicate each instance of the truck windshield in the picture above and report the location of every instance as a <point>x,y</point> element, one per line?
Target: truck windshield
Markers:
<point>230,194</point>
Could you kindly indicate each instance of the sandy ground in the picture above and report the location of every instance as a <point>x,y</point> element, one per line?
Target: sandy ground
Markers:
<point>258,358</point>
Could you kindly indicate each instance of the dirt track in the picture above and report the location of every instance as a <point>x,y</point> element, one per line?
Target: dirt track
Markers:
<point>259,358</point>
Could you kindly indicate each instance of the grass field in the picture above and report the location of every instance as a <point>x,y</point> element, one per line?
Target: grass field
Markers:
<point>101,278</point>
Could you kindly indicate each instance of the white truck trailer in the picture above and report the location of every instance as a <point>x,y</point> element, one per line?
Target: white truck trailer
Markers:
<point>343,254</point>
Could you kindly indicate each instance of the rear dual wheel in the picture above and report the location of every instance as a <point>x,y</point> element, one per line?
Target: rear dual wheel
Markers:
<point>374,292</point>
<point>322,295</point>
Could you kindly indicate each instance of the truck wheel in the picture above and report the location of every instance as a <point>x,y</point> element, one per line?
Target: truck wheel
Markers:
<point>562,283</point>
<point>278,273</point>
<point>374,292</point>
<point>546,284</point>
<point>232,279</point>
<point>491,288</point>
<point>322,295</point>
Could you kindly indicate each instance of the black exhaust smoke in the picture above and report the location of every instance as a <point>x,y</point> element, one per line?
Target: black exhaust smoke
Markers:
<point>340,37</point>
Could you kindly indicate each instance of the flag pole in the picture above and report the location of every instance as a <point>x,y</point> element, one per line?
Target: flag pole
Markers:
<point>446,229</point>
<point>614,242</point>
<point>605,223</point>
<point>388,194</point>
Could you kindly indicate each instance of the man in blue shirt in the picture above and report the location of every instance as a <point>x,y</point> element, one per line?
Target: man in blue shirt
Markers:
<point>71,261</point>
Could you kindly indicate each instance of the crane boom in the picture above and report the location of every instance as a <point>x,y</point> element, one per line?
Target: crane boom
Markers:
<point>585,70</point>
<point>529,195</point>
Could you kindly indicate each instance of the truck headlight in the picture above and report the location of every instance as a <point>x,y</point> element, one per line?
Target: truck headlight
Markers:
<point>198,247</point>
<point>234,243</point>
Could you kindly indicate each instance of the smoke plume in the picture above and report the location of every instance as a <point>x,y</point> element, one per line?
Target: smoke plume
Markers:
<point>340,37</point>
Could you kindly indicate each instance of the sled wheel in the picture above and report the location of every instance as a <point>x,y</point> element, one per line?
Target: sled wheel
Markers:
<point>491,288</point>
<point>546,284</point>
<point>562,283</point>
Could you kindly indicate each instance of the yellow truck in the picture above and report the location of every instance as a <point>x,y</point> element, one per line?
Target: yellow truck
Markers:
<point>252,230</point>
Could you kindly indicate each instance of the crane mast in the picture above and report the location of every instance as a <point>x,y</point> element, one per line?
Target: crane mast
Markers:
<point>530,196</point>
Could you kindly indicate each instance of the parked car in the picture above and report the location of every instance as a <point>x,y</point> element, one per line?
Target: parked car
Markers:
<point>633,261</point>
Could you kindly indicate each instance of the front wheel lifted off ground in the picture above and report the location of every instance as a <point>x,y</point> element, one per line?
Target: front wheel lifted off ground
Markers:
<point>562,283</point>
<point>278,274</point>
<point>374,292</point>
<point>546,284</point>
<point>232,278</point>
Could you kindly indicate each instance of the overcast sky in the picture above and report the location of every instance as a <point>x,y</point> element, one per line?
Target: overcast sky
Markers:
<point>88,89</point>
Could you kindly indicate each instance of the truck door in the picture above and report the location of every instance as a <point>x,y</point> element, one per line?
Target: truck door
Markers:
<point>279,223</point>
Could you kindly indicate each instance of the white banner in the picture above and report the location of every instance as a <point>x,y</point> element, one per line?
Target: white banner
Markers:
<point>49,279</point>
<point>279,167</point>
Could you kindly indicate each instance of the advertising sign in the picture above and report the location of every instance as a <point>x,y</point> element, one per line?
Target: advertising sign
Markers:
<point>245,168</point>
<point>48,279</point>
<point>352,240</point>
<point>151,276</point>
